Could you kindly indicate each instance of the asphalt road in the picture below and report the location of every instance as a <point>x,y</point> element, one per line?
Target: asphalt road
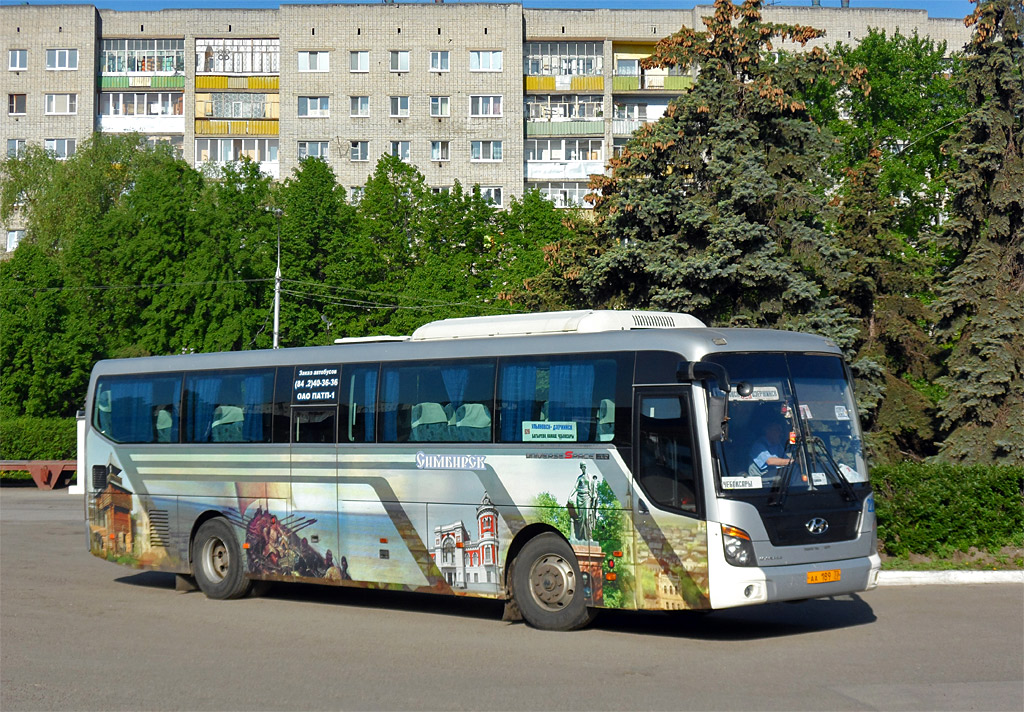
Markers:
<point>77,633</point>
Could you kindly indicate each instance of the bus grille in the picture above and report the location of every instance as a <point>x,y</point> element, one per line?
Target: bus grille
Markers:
<point>159,528</point>
<point>790,529</point>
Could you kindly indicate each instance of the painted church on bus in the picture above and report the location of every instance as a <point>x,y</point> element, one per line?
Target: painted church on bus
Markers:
<point>464,563</point>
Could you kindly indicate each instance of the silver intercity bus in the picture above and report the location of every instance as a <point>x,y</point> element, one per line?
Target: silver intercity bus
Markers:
<point>563,462</point>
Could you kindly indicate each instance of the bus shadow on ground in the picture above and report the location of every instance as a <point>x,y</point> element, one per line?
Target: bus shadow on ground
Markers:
<point>773,620</point>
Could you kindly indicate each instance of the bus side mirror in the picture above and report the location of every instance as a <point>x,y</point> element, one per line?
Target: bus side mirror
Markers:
<point>718,394</point>
<point>718,415</point>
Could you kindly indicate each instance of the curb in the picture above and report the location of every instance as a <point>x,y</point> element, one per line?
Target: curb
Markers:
<point>918,578</point>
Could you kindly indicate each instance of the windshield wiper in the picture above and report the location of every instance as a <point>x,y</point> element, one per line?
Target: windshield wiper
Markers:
<point>848,494</point>
<point>780,487</point>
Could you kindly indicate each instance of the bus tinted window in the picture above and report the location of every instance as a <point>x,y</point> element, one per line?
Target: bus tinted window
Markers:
<point>138,409</point>
<point>446,402</point>
<point>359,404</point>
<point>314,425</point>
<point>229,406</point>
<point>565,399</point>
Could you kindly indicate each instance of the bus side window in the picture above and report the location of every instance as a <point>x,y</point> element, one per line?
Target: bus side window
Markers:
<point>314,425</point>
<point>665,452</point>
<point>229,406</point>
<point>138,409</point>
<point>358,404</point>
<point>450,401</point>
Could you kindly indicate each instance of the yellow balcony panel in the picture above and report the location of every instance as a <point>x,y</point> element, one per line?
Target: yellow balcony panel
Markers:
<point>211,82</point>
<point>588,84</point>
<point>238,82</point>
<point>205,127</point>
<point>539,84</point>
<point>264,82</point>
<point>625,83</point>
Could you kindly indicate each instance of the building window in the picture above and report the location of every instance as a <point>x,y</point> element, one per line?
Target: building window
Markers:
<point>60,147</point>
<point>144,104</point>
<point>563,107</point>
<point>314,61</point>
<point>492,194</point>
<point>485,151</point>
<point>399,60</point>
<point>399,106</point>
<point>440,190</point>
<point>16,104</point>
<point>314,106</point>
<point>359,106</point>
<point>225,150</point>
<point>563,58</point>
<point>359,61</point>
<point>637,112</point>
<point>61,104</point>
<point>313,149</point>
<point>565,194</point>
<point>439,61</point>
<point>150,56</point>
<point>570,149</point>
<point>485,106</point>
<point>15,147</point>
<point>176,143</point>
<point>619,146</point>
<point>400,149</point>
<point>238,56</point>
<point>627,67</point>
<point>13,238</point>
<point>17,59</point>
<point>485,61</point>
<point>360,151</point>
<point>440,106</point>
<point>355,194</point>
<point>62,59</point>
<point>440,150</point>
<point>237,105</point>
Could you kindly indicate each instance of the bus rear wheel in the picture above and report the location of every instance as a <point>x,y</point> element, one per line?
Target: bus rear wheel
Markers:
<point>217,562</point>
<point>547,585</point>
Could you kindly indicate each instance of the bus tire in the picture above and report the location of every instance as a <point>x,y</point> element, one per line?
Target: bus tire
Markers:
<point>217,562</point>
<point>547,585</point>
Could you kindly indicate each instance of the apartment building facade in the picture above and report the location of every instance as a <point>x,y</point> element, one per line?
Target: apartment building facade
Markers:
<point>487,94</point>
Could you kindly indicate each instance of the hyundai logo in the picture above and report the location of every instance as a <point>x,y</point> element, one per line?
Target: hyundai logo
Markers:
<point>817,526</point>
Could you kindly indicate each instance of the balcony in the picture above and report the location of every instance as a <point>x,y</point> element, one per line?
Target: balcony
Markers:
<point>651,82</point>
<point>218,81</point>
<point>563,170</point>
<point>564,82</point>
<point>142,81</point>
<point>236,127</point>
<point>561,127</point>
<point>142,124</point>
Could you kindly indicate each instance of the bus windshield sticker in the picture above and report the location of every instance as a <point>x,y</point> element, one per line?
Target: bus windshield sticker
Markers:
<point>549,430</point>
<point>842,413</point>
<point>818,479</point>
<point>315,384</point>
<point>805,411</point>
<point>741,483</point>
<point>760,393</point>
<point>426,461</point>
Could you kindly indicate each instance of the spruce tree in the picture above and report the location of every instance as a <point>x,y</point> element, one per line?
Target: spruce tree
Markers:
<point>716,209</point>
<point>982,300</point>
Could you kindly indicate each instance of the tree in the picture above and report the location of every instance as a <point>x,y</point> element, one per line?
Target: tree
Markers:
<point>982,300</point>
<point>716,208</point>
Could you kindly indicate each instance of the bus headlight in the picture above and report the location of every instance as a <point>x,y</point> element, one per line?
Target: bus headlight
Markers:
<point>738,549</point>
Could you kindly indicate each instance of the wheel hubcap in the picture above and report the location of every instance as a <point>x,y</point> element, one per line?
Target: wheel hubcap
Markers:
<point>552,582</point>
<point>216,559</point>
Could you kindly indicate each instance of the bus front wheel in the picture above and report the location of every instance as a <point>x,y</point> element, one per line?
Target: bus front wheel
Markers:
<point>548,586</point>
<point>217,562</point>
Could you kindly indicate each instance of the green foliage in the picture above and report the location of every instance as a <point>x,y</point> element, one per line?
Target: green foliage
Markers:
<point>28,438</point>
<point>925,509</point>
<point>982,301</point>
<point>551,511</point>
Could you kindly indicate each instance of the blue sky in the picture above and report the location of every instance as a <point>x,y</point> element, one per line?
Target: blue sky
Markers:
<point>935,8</point>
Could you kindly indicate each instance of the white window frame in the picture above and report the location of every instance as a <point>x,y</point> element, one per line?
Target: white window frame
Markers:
<point>492,194</point>
<point>485,60</point>
<point>355,194</point>
<point>314,61</point>
<point>12,104</point>
<point>62,148</point>
<point>17,60</point>
<point>440,106</point>
<point>399,107</point>
<point>225,150</point>
<point>358,151</point>
<point>401,150</point>
<point>13,238</point>
<point>19,145</point>
<point>440,150</point>
<point>359,106</point>
<point>397,63</point>
<point>61,60</point>
<point>322,110</point>
<point>321,152</point>
<point>483,151</point>
<point>52,101</point>
<point>359,61</point>
<point>485,106</point>
<point>440,60</point>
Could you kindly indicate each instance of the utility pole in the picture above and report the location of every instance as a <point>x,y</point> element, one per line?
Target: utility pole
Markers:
<point>277,284</point>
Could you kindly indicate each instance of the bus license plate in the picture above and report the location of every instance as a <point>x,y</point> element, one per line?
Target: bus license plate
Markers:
<point>823,576</point>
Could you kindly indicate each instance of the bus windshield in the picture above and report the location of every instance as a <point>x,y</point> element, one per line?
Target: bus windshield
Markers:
<point>796,432</point>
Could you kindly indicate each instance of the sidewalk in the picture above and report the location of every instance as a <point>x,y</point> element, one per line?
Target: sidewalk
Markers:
<point>917,578</point>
